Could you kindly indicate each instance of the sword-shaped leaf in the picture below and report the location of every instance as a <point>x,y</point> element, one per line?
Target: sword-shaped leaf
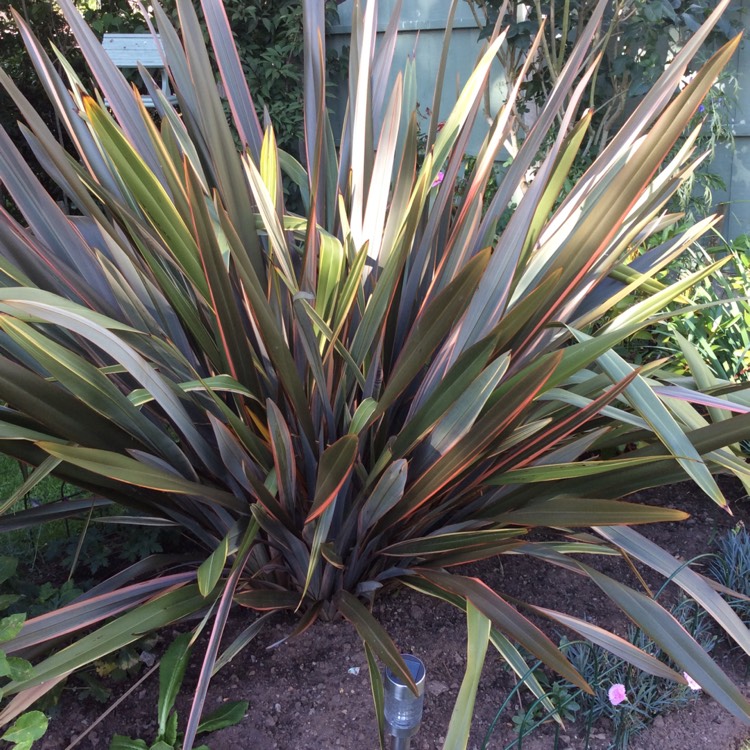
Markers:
<point>212,567</point>
<point>507,619</point>
<point>637,546</point>
<point>372,633</point>
<point>579,511</point>
<point>477,640</point>
<point>129,470</point>
<point>336,464</point>
<point>665,630</point>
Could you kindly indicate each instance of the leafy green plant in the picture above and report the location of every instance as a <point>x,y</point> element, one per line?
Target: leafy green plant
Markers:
<point>561,695</point>
<point>363,395</point>
<point>31,725</point>
<point>26,730</point>
<point>647,695</point>
<point>171,675</point>
<point>731,568</point>
<point>714,330</point>
<point>638,38</point>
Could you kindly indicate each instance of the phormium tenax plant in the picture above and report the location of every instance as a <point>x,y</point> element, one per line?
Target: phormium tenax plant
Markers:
<point>364,394</point>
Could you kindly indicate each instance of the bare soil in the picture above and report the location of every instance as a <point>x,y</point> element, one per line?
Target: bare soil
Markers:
<point>313,692</point>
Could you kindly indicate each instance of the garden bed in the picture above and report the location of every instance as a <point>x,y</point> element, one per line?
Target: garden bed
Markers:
<point>313,691</point>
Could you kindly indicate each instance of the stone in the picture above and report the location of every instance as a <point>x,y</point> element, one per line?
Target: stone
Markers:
<point>435,687</point>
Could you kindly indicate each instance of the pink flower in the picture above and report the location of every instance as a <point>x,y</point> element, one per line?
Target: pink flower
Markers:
<point>617,694</point>
<point>438,179</point>
<point>692,684</point>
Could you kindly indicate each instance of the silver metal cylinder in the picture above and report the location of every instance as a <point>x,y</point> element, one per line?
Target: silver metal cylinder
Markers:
<point>402,709</point>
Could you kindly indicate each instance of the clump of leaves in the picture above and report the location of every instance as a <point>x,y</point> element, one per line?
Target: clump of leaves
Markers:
<point>647,695</point>
<point>561,695</point>
<point>364,394</point>
<point>31,725</point>
<point>713,329</point>
<point>731,568</point>
<point>171,674</point>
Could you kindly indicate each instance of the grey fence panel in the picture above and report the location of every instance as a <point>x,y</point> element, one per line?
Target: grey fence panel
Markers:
<point>734,167</point>
<point>421,31</point>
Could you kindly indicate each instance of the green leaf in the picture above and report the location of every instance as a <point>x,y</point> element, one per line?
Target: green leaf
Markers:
<point>554,472</point>
<point>461,416</point>
<point>283,456</point>
<point>650,407</point>
<point>212,567</point>
<point>577,511</point>
<point>362,416</point>
<point>267,599</point>
<point>385,495</point>
<point>441,543</point>
<point>227,715</point>
<point>170,732</point>
<point>376,685</point>
<point>120,742</point>
<point>478,638</point>
<point>431,327</point>
<point>14,667</point>
<point>171,673</point>
<point>372,633</point>
<point>450,388</point>
<point>612,643</point>
<point>7,599</point>
<point>336,464</point>
<point>507,619</point>
<point>28,728</point>
<point>244,638</point>
<point>10,626</point>
<point>497,418</point>
<point>129,470</point>
<point>149,193</point>
<point>8,566</point>
<point>31,481</point>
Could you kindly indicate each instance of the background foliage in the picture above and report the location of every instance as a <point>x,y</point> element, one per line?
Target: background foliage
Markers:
<point>638,38</point>
<point>268,37</point>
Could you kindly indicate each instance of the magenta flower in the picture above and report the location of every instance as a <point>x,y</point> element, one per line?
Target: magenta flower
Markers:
<point>617,694</point>
<point>692,684</point>
<point>438,179</point>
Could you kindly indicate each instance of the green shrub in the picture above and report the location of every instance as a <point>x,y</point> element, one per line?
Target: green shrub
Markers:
<point>171,674</point>
<point>714,328</point>
<point>366,394</point>
<point>731,568</point>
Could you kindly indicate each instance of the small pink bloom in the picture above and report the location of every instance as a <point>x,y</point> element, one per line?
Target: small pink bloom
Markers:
<point>438,179</point>
<point>692,684</point>
<point>617,694</point>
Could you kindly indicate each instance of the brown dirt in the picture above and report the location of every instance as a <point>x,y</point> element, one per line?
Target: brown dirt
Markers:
<point>307,694</point>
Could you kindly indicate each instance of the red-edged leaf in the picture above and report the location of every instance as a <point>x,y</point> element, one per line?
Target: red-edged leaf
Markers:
<point>266,599</point>
<point>507,619</point>
<point>374,635</point>
<point>336,464</point>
